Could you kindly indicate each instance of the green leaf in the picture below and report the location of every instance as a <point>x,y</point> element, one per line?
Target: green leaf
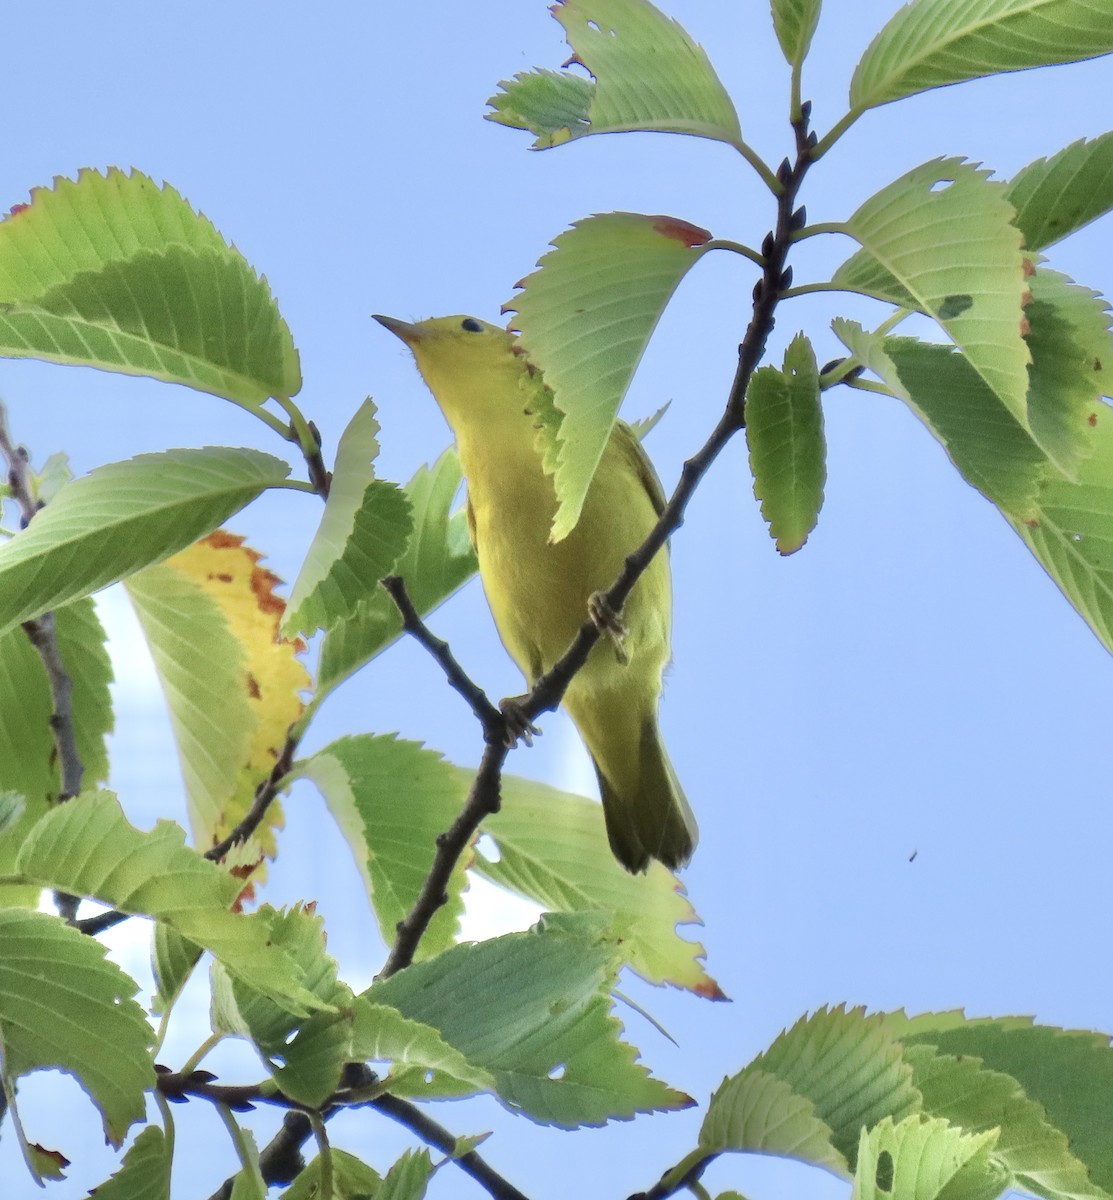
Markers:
<point>28,762</point>
<point>408,1178</point>
<point>795,22</point>
<point>788,452</point>
<point>757,1112</point>
<point>533,1008</point>
<point>924,1159</point>
<point>589,338</point>
<point>364,529</point>
<point>1068,1072</point>
<point>849,1065</point>
<point>554,105</point>
<point>932,43</point>
<point>961,1090</point>
<point>248,1183</point>
<point>940,239</point>
<point>985,441</point>
<point>47,482</point>
<point>1071,532</point>
<point>145,1174</point>
<point>648,74</point>
<point>552,849</point>
<point>1055,196</point>
<point>392,799</point>
<point>423,1064</point>
<point>643,426</point>
<point>64,1005</point>
<point>306,1056</point>
<point>12,807</point>
<point>122,517</point>
<point>113,271</point>
<point>173,958</point>
<point>352,1179</point>
<point>88,848</point>
<point>437,561</point>
<point>1072,366</point>
<point>201,666</point>
<point>79,225</point>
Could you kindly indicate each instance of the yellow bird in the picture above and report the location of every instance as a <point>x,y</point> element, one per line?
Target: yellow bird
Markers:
<point>539,592</point>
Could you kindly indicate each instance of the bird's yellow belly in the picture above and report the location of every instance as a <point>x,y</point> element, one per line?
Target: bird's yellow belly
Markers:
<point>538,591</point>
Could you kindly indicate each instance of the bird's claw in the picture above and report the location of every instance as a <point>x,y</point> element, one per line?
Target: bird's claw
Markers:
<point>517,724</point>
<point>608,622</point>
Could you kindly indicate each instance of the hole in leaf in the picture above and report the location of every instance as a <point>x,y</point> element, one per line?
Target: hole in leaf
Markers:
<point>557,1072</point>
<point>1076,537</point>
<point>488,848</point>
<point>940,185</point>
<point>594,25</point>
<point>429,1077</point>
<point>884,1173</point>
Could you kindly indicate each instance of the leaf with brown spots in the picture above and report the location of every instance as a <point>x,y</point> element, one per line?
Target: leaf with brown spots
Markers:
<point>232,683</point>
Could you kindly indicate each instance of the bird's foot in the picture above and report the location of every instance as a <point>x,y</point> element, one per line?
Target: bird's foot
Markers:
<point>608,622</point>
<point>518,725</point>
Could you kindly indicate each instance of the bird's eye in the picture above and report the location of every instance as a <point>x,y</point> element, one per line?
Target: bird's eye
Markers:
<point>471,325</point>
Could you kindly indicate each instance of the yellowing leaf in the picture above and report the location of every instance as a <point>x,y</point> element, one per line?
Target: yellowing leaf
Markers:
<point>252,681</point>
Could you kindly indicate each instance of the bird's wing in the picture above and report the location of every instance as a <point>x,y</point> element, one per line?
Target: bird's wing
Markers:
<point>632,452</point>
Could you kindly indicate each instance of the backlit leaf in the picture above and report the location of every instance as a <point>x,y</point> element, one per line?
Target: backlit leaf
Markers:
<point>588,337</point>
<point>788,452</point>
<point>64,1005</point>
<point>437,561</point>
<point>113,271</point>
<point>122,517</point>
<point>552,849</point>
<point>365,527</point>
<point>941,240</point>
<point>647,74</point>
<point>931,43</point>
<point>534,1009</point>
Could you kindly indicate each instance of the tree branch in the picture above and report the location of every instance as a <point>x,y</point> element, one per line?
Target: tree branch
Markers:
<point>436,1135</point>
<point>281,1159</point>
<point>548,691</point>
<point>484,798</point>
<point>43,637</point>
<point>493,722</point>
<point>265,795</point>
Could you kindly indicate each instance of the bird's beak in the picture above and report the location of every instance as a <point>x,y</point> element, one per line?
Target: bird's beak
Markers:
<point>401,329</point>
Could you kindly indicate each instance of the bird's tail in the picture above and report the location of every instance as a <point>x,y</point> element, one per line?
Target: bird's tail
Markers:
<point>646,811</point>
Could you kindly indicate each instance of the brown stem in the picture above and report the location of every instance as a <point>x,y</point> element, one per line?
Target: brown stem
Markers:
<point>43,637</point>
<point>494,725</point>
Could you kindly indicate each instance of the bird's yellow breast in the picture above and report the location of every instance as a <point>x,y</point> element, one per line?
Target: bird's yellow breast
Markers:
<point>538,590</point>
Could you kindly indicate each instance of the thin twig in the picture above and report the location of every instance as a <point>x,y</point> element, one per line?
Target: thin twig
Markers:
<point>43,637</point>
<point>436,1135</point>
<point>265,795</point>
<point>493,722</point>
<point>483,800</point>
<point>686,1174</point>
<point>548,690</point>
<point>42,634</point>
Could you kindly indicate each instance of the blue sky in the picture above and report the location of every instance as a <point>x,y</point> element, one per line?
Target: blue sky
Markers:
<point>911,683</point>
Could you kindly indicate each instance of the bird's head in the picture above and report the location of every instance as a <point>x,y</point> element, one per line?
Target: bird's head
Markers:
<point>474,369</point>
